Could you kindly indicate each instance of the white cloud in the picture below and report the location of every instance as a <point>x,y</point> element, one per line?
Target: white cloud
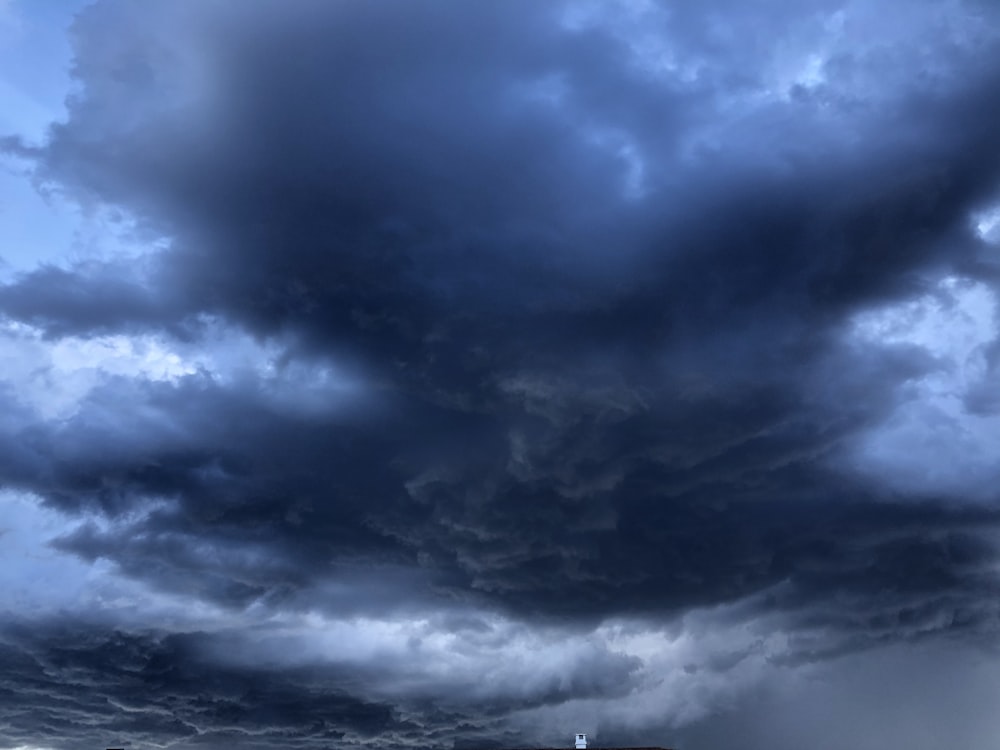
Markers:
<point>54,377</point>
<point>932,444</point>
<point>987,225</point>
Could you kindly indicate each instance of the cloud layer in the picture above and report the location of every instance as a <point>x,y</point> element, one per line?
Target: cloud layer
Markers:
<point>502,330</point>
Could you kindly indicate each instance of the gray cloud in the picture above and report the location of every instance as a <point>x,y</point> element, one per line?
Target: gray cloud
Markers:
<point>85,687</point>
<point>552,316</point>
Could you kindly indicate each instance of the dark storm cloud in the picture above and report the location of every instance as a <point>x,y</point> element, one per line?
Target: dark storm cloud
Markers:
<point>244,504</point>
<point>93,297</point>
<point>86,686</point>
<point>597,401</point>
<point>597,312</point>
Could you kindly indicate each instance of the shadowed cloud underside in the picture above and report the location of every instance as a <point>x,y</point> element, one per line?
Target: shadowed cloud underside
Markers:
<point>498,371</point>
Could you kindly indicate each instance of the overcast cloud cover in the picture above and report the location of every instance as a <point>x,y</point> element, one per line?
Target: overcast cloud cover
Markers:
<point>451,374</point>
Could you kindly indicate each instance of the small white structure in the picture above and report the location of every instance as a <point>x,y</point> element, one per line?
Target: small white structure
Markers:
<point>581,741</point>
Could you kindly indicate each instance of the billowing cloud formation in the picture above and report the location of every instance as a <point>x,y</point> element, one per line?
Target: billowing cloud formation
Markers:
<point>625,336</point>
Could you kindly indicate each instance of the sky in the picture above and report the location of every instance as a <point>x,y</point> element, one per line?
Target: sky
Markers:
<point>452,375</point>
